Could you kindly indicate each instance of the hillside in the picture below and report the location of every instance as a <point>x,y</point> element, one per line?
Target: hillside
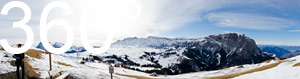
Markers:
<point>285,70</point>
<point>38,66</point>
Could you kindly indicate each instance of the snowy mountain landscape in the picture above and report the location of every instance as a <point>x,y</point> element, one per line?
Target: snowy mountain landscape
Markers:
<point>219,56</point>
<point>180,55</point>
<point>150,39</point>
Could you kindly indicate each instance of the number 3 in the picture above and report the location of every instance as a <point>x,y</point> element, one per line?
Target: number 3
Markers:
<point>20,24</point>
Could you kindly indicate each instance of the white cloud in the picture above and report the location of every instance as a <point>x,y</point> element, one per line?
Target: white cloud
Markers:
<point>157,16</point>
<point>250,21</point>
<point>294,30</point>
<point>290,43</point>
<point>232,32</point>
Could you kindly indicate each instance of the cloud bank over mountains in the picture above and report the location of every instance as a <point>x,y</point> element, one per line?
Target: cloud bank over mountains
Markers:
<point>157,17</point>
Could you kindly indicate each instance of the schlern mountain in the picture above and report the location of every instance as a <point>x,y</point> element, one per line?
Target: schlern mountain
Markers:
<point>182,55</point>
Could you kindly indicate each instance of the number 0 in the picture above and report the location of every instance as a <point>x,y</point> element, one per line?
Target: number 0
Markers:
<point>83,33</point>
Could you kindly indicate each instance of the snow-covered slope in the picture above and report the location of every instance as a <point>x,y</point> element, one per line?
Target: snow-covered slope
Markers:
<point>89,70</point>
<point>96,70</point>
<point>80,71</point>
<point>285,70</point>
<point>5,65</point>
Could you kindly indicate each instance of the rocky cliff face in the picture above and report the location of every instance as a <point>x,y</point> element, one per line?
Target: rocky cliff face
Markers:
<point>1,48</point>
<point>181,55</point>
<point>240,49</point>
<point>223,50</point>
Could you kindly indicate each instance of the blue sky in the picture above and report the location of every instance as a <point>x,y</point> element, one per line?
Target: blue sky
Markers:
<point>277,24</point>
<point>266,21</point>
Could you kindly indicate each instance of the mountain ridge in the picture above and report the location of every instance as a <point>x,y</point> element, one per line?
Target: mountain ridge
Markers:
<point>182,55</point>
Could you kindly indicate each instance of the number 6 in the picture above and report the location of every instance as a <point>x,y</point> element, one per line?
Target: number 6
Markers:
<point>20,24</point>
<point>45,27</point>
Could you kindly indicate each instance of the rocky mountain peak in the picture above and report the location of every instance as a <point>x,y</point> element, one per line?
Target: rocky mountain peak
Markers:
<point>232,39</point>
